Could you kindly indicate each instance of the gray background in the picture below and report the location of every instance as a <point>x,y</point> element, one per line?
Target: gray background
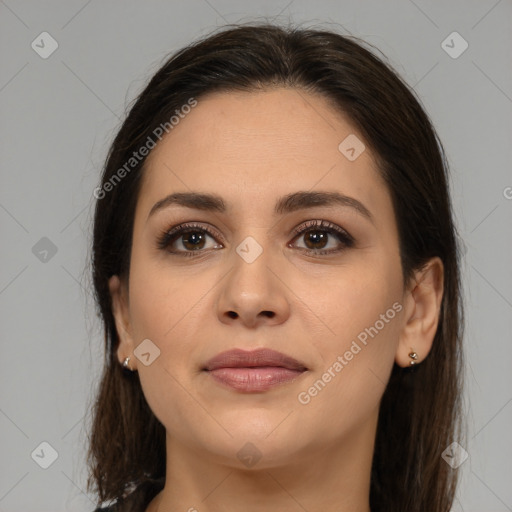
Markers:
<point>58,116</point>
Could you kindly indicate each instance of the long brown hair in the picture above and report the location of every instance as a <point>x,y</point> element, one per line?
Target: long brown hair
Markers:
<point>420,413</point>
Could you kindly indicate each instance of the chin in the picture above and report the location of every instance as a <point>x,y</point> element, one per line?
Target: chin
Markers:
<point>247,452</point>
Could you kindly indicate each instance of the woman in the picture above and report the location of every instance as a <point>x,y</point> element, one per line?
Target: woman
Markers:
<point>276,266</point>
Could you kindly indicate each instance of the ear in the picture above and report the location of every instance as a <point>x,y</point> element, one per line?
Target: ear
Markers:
<point>121,312</point>
<point>422,309</point>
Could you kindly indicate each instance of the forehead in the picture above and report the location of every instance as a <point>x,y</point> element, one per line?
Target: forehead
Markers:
<point>251,147</point>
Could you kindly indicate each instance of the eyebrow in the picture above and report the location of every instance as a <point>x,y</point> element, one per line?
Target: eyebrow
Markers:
<point>287,204</point>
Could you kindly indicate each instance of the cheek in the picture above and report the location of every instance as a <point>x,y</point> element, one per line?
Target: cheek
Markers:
<point>163,306</point>
<point>349,300</point>
<point>361,315</point>
<point>162,299</point>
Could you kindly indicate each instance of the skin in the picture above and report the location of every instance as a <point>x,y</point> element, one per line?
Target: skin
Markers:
<point>252,148</point>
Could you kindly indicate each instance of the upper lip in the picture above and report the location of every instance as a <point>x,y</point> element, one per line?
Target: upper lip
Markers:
<point>238,358</point>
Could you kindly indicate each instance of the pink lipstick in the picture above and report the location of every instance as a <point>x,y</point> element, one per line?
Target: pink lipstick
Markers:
<point>253,371</point>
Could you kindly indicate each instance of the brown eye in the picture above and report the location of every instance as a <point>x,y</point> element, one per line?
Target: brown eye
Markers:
<point>318,234</point>
<point>316,239</point>
<point>186,239</point>
<point>193,240</point>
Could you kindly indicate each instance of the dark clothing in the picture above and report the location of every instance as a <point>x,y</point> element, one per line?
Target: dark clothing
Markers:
<point>138,499</point>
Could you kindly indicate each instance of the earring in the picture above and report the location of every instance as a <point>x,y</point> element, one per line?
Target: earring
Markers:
<point>413,357</point>
<point>126,365</point>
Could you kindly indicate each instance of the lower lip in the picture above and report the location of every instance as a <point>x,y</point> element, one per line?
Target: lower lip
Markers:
<point>254,379</point>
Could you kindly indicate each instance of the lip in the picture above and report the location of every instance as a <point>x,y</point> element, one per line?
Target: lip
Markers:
<point>253,371</point>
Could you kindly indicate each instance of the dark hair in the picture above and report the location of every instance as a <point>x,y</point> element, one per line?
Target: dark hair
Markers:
<point>420,413</point>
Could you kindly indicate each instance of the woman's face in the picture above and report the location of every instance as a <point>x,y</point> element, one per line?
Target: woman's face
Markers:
<point>331,302</point>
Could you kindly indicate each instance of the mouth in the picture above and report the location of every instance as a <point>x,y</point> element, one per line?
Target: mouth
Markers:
<point>253,371</point>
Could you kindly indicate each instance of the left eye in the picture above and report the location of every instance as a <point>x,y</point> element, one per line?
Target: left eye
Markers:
<point>317,233</point>
<point>316,239</point>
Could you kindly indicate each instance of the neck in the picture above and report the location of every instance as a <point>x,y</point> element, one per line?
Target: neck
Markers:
<point>329,477</point>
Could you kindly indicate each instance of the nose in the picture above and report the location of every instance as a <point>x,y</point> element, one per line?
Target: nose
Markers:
<point>253,294</point>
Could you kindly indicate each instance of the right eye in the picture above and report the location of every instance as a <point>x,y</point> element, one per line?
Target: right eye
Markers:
<point>192,238</point>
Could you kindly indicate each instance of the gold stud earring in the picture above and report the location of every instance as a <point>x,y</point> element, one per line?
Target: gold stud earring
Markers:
<point>413,356</point>
<point>126,364</point>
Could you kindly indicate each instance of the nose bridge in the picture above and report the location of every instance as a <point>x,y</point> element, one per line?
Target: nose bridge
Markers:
<point>252,290</point>
<point>251,260</point>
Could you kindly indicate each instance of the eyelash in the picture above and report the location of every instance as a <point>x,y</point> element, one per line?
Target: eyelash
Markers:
<point>169,236</point>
